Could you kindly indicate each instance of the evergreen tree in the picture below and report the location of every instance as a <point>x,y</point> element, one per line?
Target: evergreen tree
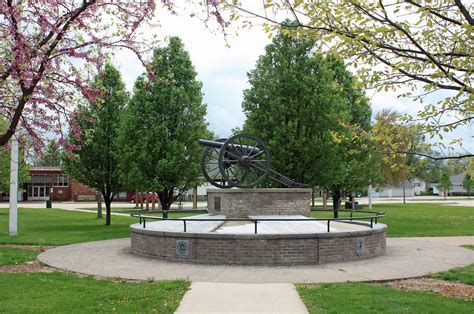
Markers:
<point>162,125</point>
<point>315,122</point>
<point>445,184</point>
<point>468,184</point>
<point>95,162</point>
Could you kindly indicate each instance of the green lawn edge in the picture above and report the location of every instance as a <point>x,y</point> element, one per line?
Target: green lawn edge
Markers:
<point>14,256</point>
<point>369,298</point>
<point>459,274</point>
<point>61,292</point>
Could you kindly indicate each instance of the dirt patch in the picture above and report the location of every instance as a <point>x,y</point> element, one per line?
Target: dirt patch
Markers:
<point>446,288</point>
<point>27,247</point>
<point>34,266</point>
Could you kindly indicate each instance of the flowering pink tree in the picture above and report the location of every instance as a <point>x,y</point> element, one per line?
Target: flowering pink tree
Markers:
<point>47,48</point>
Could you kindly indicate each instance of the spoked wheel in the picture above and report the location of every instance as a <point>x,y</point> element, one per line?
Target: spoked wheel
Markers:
<point>244,161</point>
<point>210,166</point>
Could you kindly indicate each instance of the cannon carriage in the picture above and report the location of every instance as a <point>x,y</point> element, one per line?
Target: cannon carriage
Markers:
<point>241,161</point>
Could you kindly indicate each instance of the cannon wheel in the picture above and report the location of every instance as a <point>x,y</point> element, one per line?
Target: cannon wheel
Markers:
<point>244,161</point>
<point>210,166</point>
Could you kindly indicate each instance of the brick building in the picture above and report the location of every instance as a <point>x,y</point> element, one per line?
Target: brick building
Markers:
<point>48,181</point>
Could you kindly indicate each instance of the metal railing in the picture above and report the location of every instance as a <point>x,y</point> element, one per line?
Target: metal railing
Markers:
<point>351,219</point>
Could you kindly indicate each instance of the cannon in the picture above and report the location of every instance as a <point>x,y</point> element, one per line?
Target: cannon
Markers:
<point>241,161</point>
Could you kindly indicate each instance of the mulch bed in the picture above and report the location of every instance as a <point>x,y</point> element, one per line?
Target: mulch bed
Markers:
<point>446,288</point>
<point>34,266</point>
<point>27,247</point>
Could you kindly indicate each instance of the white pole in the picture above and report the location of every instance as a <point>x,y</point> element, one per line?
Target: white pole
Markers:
<point>370,196</point>
<point>13,216</point>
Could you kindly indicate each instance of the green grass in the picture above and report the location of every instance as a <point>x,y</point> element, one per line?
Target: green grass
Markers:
<point>42,226</point>
<point>66,293</point>
<point>367,298</point>
<point>459,274</point>
<point>11,256</point>
<point>423,220</point>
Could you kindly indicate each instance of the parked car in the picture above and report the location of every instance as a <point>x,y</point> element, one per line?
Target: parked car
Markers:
<point>139,197</point>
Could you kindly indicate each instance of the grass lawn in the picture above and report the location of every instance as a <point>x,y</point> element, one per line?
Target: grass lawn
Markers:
<point>368,298</point>
<point>45,226</point>
<point>422,220</point>
<point>459,274</point>
<point>59,292</point>
<point>11,256</point>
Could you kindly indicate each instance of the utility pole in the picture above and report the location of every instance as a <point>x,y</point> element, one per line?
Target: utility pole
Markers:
<point>370,196</point>
<point>13,214</point>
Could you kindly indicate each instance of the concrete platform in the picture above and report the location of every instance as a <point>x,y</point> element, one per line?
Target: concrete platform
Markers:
<point>405,257</point>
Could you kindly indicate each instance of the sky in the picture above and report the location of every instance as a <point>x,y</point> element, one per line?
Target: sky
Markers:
<point>222,68</point>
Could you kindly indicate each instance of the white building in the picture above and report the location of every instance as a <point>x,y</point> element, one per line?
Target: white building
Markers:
<point>397,191</point>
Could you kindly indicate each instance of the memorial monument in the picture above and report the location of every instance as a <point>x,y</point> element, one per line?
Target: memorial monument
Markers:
<point>246,225</point>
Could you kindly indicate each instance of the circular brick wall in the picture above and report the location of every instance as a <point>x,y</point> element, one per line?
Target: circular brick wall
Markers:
<point>260,249</point>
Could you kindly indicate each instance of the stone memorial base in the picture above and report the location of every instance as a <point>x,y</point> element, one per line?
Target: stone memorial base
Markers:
<point>259,249</point>
<point>244,202</point>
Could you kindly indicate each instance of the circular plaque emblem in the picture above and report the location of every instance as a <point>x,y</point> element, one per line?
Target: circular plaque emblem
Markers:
<point>182,247</point>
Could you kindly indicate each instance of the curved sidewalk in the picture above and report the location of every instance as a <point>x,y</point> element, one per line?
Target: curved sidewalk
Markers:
<point>405,257</point>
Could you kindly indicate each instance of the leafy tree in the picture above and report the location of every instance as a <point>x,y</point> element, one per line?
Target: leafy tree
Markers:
<point>445,184</point>
<point>94,160</point>
<point>51,156</point>
<point>392,139</point>
<point>162,125</point>
<point>46,48</point>
<point>304,105</point>
<point>393,45</point>
<point>468,184</point>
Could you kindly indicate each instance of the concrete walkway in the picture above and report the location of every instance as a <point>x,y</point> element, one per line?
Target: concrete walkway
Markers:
<point>258,289</point>
<point>405,257</point>
<point>206,297</point>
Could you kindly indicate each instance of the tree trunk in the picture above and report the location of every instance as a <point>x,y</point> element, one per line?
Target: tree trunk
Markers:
<point>404,197</point>
<point>312,197</point>
<point>353,201</point>
<point>136,198</point>
<point>147,201</point>
<point>325,199</point>
<point>108,202</point>
<point>336,201</point>
<point>99,204</point>
<point>141,199</point>
<point>195,202</point>
<point>152,201</point>
<point>166,199</point>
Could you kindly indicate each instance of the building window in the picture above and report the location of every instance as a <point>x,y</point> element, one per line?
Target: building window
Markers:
<point>60,180</point>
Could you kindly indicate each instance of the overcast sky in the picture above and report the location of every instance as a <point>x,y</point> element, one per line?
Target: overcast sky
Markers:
<point>223,72</point>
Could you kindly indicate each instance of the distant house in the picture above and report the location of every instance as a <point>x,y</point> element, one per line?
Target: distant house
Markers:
<point>457,188</point>
<point>396,191</point>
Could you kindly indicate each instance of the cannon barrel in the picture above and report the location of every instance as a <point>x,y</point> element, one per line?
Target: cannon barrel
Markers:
<point>208,143</point>
<point>246,149</point>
